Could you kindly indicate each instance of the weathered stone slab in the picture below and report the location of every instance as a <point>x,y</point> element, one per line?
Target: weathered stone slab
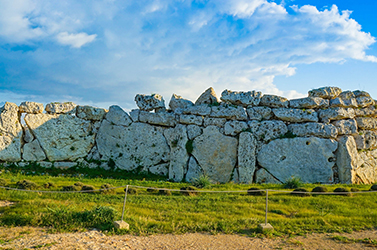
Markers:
<point>325,92</point>
<point>31,107</point>
<point>118,116</point>
<point>210,121</point>
<point>358,93</point>
<point>149,102</point>
<point>235,127</point>
<point>177,102</point>
<point>163,119</point>
<point>259,113</point>
<point>367,172</point>
<point>61,108</point>
<point>313,129</point>
<point>274,101</point>
<point>343,103</point>
<point>194,170</point>
<point>296,115</point>
<point>216,154</point>
<point>369,111</point>
<point>62,137</point>
<point>207,97</point>
<point>90,113</point>
<point>134,114</point>
<point>10,133</point>
<point>364,101</point>
<point>64,164</point>
<point>193,131</point>
<point>366,139</point>
<point>269,130</point>
<point>191,119</point>
<point>264,177</point>
<point>28,136</point>
<point>309,103</point>
<point>310,159</point>
<point>229,112</point>
<point>45,164</point>
<point>32,151</point>
<point>129,147</point>
<point>177,139</point>
<point>246,157</point>
<point>366,123</point>
<point>241,98</point>
<point>161,169</point>
<point>198,110</point>
<point>327,115</point>
<point>346,127</point>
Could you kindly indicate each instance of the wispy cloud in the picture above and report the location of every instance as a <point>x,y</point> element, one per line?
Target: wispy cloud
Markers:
<point>75,40</point>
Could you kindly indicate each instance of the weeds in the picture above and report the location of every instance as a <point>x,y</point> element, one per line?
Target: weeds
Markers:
<point>293,182</point>
<point>202,181</point>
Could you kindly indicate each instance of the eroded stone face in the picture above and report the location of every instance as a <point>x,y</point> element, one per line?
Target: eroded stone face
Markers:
<point>32,151</point>
<point>346,127</point>
<point>207,97</point>
<point>274,101</point>
<point>177,102</point>
<point>367,172</point>
<point>118,116</point>
<point>61,108</point>
<point>31,107</point>
<point>149,102</point>
<point>296,115</point>
<point>262,176</point>
<point>249,98</point>
<point>163,119</point>
<point>194,170</point>
<point>228,112</point>
<point>259,113</point>
<point>10,133</point>
<point>268,130</point>
<point>216,154</point>
<point>246,157</point>
<point>309,103</point>
<point>325,92</point>
<point>327,115</point>
<point>90,113</point>
<point>313,129</point>
<point>311,159</point>
<point>366,139</point>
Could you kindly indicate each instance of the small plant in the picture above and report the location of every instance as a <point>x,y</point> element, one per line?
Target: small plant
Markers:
<point>302,192</point>
<point>292,183</point>
<point>132,191</point>
<point>164,192</point>
<point>255,192</point>
<point>373,187</point>
<point>355,190</point>
<point>79,184</point>
<point>3,182</point>
<point>152,190</point>
<point>88,188</point>
<point>71,188</point>
<point>189,191</point>
<point>72,148</point>
<point>289,134</point>
<point>202,181</point>
<point>107,189</point>
<point>189,146</point>
<point>26,184</point>
<point>49,185</point>
<point>319,189</point>
<point>342,191</point>
<point>174,143</point>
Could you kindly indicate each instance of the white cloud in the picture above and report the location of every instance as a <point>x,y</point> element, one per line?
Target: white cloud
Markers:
<point>75,40</point>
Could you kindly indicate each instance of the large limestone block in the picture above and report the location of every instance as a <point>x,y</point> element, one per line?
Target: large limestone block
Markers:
<point>129,147</point>
<point>177,102</point>
<point>327,115</point>
<point>246,157</point>
<point>366,123</point>
<point>161,169</point>
<point>309,103</point>
<point>61,108</point>
<point>296,115</point>
<point>369,111</point>
<point>191,119</point>
<point>366,139</point>
<point>197,110</point>
<point>28,136</point>
<point>274,101</point>
<point>313,129</point>
<point>31,107</point>
<point>10,133</point>
<point>210,121</point>
<point>325,92</point>
<point>229,112</point>
<point>310,159</point>
<point>118,116</point>
<point>249,98</point>
<point>259,113</point>
<point>216,154</point>
<point>367,172</point>
<point>177,140</point>
<point>134,114</point>
<point>344,103</point>
<point>347,160</point>
<point>269,130</point>
<point>149,102</point>
<point>10,148</point>
<point>193,131</point>
<point>235,127</point>
<point>346,127</point>
<point>62,137</point>
<point>194,171</point>
<point>207,97</point>
<point>163,119</point>
<point>90,113</point>
<point>264,177</point>
<point>358,93</point>
<point>364,101</point>
<point>32,151</point>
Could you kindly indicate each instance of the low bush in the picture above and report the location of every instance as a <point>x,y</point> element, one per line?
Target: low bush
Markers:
<point>26,184</point>
<point>49,185</point>
<point>343,191</point>
<point>79,184</point>
<point>293,182</point>
<point>107,189</point>
<point>132,191</point>
<point>373,187</point>
<point>152,190</point>
<point>256,192</point>
<point>189,191</point>
<point>355,190</point>
<point>300,192</point>
<point>202,181</point>
<point>164,192</point>
<point>71,188</point>
<point>88,188</point>
<point>3,182</point>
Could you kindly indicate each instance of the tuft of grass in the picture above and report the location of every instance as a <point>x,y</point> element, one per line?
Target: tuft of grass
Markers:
<point>369,242</point>
<point>202,181</point>
<point>3,182</point>
<point>293,182</point>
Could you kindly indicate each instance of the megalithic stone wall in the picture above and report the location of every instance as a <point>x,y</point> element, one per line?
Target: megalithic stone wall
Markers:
<point>245,137</point>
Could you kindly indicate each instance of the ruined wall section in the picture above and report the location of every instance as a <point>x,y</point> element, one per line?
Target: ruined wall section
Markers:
<point>328,137</point>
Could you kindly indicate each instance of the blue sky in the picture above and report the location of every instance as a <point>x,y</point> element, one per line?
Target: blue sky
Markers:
<point>104,52</point>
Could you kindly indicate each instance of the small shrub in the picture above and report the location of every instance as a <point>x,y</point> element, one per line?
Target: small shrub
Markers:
<point>107,189</point>
<point>202,181</point>
<point>355,190</point>
<point>373,187</point>
<point>164,192</point>
<point>79,184</point>
<point>132,191</point>
<point>292,183</point>
<point>342,191</point>
<point>255,192</point>
<point>88,188</point>
<point>298,191</point>
<point>49,185</point>
<point>71,188</point>
<point>319,189</point>
<point>188,191</point>
<point>26,184</point>
<point>152,190</point>
<point>3,182</point>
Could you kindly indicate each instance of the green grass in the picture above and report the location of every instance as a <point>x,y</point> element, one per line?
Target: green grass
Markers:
<point>151,212</point>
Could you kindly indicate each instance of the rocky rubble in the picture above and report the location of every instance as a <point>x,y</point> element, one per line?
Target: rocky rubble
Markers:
<point>245,137</point>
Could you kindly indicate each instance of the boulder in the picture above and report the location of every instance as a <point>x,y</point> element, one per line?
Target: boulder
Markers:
<point>327,115</point>
<point>358,93</point>
<point>259,113</point>
<point>138,145</point>
<point>10,133</point>
<point>193,131</point>
<point>177,140</point>
<point>325,92</point>
<point>191,119</point>
<point>118,116</point>
<point>209,121</point>
<point>149,102</point>
<point>366,139</point>
<point>62,137</point>
<point>177,102</point>
<point>61,108</point>
<point>343,102</point>
<point>207,97</point>
<point>367,172</point>
<point>313,129</point>
<point>161,169</point>
<point>310,159</point>
<point>194,171</point>
<point>235,127</point>
<point>309,103</point>
<point>31,107</point>
<point>163,119</point>
<point>134,114</point>
<point>347,160</point>
<point>246,157</point>
<point>264,177</point>
<point>346,127</point>
<point>216,154</point>
<point>28,136</point>
<point>274,101</point>
<point>250,98</point>
<point>269,130</point>
<point>364,101</point>
<point>90,113</point>
<point>32,151</point>
<point>197,110</point>
<point>296,115</point>
<point>366,123</point>
<point>229,112</point>
<point>369,111</point>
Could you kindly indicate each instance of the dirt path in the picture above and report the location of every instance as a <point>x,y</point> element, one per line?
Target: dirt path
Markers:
<point>32,238</point>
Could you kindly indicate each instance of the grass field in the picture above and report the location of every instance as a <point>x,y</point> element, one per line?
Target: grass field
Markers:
<point>149,212</point>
